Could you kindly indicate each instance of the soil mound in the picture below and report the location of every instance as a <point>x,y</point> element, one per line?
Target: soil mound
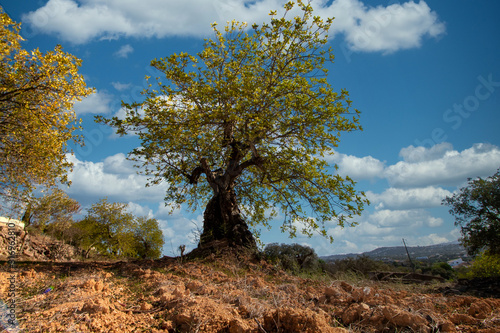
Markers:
<point>35,247</point>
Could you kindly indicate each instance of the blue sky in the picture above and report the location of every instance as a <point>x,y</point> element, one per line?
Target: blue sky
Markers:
<point>425,75</point>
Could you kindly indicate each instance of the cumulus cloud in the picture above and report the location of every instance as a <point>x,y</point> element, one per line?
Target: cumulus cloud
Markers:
<point>433,166</point>
<point>398,198</point>
<point>432,239</point>
<point>413,154</point>
<point>424,229</point>
<point>94,180</point>
<point>124,51</point>
<point>386,29</point>
<point>118,164</point>
<point>382,28</point>
<point>139,210</point>
<point>404,218</point>
<point>97,103</point>
<point>357,168</point>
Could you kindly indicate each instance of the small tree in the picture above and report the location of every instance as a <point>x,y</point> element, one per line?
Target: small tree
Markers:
<point>244,127</point>
<point>37,93</point>
<point>442,269</point>
<point>108,228</point>
<point>476,208</point>
<point>112,231</point>
<point>293,257</point>
<point>148,237</point>
<point>52,213</point>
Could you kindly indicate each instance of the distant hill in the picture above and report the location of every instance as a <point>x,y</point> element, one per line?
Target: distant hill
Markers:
<point>438,252</point>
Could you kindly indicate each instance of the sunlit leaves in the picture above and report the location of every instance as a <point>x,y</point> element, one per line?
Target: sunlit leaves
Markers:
<point>256,105</point>
<point>37,92</point>
<point>114,232</point>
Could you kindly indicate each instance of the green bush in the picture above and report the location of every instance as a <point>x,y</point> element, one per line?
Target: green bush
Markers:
<point>443,269</point>
<point>293,258</point>
<point>485,265</point>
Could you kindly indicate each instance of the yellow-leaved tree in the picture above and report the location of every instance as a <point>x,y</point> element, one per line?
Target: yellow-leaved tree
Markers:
<point>37,93</point>
<point>244,126</point>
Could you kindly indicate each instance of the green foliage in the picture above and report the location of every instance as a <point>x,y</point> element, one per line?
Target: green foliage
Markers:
<point>360,265</point>
<point>37,93</point>
<point>294,258</point>
<point>485,265</point>
<point>476,208</point>
<point>112,231</point>
<point>52,214</point>
<point>264,116</point>
<point>443,269</point>
<point>148,237</point>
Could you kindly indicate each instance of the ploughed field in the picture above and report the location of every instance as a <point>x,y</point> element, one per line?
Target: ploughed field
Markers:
<point>231,293</point>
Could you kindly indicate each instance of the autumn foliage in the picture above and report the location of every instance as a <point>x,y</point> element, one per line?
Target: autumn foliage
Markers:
<point>37,92</point>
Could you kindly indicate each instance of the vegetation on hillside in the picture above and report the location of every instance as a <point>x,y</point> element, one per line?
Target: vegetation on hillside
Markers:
<point>107,230</point>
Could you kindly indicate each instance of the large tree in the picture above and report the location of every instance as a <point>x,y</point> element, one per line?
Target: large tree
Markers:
<point>37,92</point>
<point>476,208</point>
<point>247,123</point>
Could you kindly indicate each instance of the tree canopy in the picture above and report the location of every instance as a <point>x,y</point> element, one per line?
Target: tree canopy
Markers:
<point>247,122</point>
<point>37,92</point>
<point>52,213</point>
<point>476,208</point>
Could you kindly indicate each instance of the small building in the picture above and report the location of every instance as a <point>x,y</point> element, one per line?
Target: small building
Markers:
<point>5,221</point>
<point>455,262</point>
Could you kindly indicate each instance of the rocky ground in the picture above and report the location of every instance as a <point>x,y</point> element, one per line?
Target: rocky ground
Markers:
<point>230,293</point>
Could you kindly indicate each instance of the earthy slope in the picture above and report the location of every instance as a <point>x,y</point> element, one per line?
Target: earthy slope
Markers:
<point>228,293</point>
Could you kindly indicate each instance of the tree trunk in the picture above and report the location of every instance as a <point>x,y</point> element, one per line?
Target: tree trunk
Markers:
<point>222,221</point>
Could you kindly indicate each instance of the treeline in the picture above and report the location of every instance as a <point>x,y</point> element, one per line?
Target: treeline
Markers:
<point>107,229</point>
<point>302,260</point>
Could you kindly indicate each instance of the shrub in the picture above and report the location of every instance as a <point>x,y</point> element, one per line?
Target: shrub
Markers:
<point>443,269</point>
<point>485,265</point>
<point>294,258</point>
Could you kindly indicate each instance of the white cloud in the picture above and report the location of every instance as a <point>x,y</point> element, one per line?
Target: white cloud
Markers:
<point>397,198</point>
<point>387,228</point>
<point>121,86</point>
<point>404,218</point>
<point>422,166</point>
<point>357,168</point>
<point>431,239</point>
<point>97,103</point>
<point>139,210</point>
<point>413,154</point>
<point>92,181</point>
<point>386,29</point>
<point>118,164</point>
<point>124,51</point>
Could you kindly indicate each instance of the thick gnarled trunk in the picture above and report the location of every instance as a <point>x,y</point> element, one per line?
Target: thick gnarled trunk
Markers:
<point>223,222</point>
